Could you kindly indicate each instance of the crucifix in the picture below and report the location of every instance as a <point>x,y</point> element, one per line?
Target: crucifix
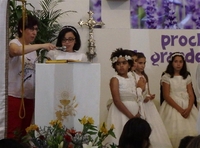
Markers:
<point>91,23</point>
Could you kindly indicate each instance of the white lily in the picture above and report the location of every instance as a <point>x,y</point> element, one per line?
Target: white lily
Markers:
<point>89,145</point>
<point>60,145</point>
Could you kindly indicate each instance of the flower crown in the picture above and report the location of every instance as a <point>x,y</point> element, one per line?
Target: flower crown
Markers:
<point>127,57</point>
<point>176,54</point>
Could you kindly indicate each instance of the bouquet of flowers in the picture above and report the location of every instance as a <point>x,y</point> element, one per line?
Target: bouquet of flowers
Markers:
<point>58,136</point>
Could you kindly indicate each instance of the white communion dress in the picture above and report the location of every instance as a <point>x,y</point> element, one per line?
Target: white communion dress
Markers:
<point>61,55</point>
<point>128,97</point>
<point>177,126</point>
<point>159,137</point>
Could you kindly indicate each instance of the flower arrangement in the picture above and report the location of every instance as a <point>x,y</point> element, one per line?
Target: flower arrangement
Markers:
<point>58,136</point>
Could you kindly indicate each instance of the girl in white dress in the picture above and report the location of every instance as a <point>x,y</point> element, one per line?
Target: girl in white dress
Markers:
<point>124,94</point>
<point>159,137</point>
<point>178,111</point>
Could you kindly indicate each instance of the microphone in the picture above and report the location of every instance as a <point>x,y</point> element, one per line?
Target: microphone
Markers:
<point>63,48</point>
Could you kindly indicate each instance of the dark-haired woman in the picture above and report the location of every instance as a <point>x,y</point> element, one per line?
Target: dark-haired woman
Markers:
<point>15,123</point>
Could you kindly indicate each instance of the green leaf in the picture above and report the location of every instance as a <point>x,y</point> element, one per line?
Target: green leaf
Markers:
<point>141,12</point>
<point>112,134</point>
<point>92,133</point>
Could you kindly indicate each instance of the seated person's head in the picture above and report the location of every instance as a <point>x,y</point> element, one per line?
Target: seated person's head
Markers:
<point>194,143</point>
<point>10,143</point>
<point>135,134</point>
<point>185,141</point>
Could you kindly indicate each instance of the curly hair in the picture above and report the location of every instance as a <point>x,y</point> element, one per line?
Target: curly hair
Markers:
<point>121,52</point>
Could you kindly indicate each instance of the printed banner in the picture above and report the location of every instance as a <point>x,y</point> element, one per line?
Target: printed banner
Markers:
<point>159,45</point>
<point>165,14</point>
<point>159,14</point>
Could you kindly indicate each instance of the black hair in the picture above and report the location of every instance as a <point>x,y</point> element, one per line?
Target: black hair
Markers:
<point>194,143</point>
<point>170,69</point>
<point>135,134</point>
<point>185,141</point>
<point>141,55</point>
<point>121,52</point>
<point>65,30</point>
<point>10,143</point>
<point>30,22</point>
<point>132,53</point>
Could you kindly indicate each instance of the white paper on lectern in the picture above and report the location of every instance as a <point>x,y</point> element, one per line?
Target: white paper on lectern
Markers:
<point>81,80</point>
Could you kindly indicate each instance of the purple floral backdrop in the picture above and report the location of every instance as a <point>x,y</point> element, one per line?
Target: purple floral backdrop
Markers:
<point>95,7</point>
<point>159,14</point>
<point>165,14</point>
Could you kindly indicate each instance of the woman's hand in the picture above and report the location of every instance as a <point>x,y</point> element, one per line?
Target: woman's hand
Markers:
<point>137,115</point>
<point>180,110</point>
<point>152,96</point>
<point>186,112</point>
<point>48,46</point>
<point>141,83</point>
<point>148,97</point>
